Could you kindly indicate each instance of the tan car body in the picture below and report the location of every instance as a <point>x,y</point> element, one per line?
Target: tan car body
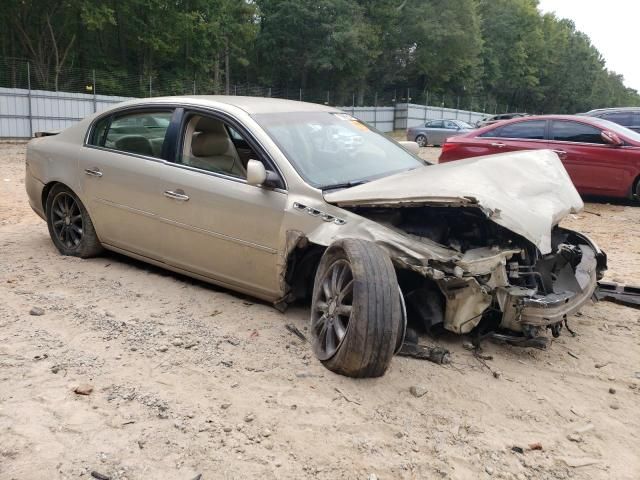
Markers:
<point>242,236</point>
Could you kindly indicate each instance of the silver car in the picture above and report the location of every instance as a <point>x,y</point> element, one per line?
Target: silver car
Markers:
<point>287,200</point>
<point>436,132</point>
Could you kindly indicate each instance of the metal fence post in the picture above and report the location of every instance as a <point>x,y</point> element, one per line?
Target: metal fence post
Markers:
<point>95,100</point>
<point>150,86</point>
<point>29,99</point>
<point>194,86</point>
<point>300,95</point>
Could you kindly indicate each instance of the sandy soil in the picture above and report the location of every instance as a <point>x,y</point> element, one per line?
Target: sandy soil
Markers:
<point>191,379</point>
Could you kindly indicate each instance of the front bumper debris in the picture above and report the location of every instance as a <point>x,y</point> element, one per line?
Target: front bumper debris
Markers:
<point>626,295</point>
<point>524,307</point>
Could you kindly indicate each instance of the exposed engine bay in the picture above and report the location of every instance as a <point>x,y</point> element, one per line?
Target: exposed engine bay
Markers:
<point>500,283</point>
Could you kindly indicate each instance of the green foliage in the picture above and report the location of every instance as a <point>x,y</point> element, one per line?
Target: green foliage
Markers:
<point>502,50</point>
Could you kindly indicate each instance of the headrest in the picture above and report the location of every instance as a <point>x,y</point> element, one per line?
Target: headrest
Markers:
<point>134,144</point>
<point>206,144</point>
<point>209,125</point>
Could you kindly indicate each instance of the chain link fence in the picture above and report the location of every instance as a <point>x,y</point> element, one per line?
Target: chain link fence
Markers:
<point>34,98</point>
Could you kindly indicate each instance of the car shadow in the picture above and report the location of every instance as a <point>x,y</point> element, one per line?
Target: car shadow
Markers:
<point>623,202</point>
<point>164,272</point>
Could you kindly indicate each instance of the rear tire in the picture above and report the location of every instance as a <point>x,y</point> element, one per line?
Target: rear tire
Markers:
<point>70,226</point>
<point>421,140</point>
<point>356,309</point>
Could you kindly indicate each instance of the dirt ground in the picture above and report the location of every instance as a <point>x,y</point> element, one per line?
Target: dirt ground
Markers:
<point>192,379</point>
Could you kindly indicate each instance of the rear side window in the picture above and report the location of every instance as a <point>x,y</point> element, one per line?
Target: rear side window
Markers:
<point>532,130</point>
<point>575,132</point>
<point>142,133</point>
<point>435,124</point>
<point>621,118</point>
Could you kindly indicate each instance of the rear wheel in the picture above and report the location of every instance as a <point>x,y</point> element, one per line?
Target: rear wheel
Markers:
<point>70,226</point>
<point>421,140</point>
<point>356,310</point>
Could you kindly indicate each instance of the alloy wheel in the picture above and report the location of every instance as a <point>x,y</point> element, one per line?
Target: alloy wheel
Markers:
<point>332,309</point>
<point>66,219</point>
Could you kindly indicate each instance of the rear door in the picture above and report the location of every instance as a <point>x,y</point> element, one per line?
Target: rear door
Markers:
<point>522,135</point>
<point>122,164</point>
<point>595,166</point>
<point>435,132</point>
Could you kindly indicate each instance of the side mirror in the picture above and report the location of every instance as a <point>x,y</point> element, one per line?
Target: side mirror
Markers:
<point>258,175</point>
<point>412,147</point>
<point>611,138</point>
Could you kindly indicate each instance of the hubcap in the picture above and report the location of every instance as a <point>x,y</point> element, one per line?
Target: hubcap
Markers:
<point>332,309</point>
<point>67,220</point>
<point>421,141</point>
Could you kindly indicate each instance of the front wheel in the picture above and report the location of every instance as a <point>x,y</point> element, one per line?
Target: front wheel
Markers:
<point>356,311</point>
<point>421,140</point>
<point>70,226</point>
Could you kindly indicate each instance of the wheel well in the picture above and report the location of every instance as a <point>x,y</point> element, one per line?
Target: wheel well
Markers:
<point>301,270</point>
<point>634,187</point>
<point>45,193</point>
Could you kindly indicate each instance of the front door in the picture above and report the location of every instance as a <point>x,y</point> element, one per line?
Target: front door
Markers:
<point>595,167</point>
<point>220,226</point>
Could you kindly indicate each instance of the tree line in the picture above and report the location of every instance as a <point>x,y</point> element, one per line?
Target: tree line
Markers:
<point>503,50</point>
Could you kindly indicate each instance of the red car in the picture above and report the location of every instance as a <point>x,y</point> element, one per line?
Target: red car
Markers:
<point>601,157</point>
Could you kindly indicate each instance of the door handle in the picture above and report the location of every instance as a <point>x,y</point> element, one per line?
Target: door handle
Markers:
<point>177,195</point>
<point>94,172</point>
<point>498,145</point>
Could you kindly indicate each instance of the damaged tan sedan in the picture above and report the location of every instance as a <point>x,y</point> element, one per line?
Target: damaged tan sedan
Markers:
<point>287,200</point>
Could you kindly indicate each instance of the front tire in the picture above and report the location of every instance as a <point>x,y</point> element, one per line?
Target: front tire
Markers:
<point>356,309</point>
<point>70,226</point>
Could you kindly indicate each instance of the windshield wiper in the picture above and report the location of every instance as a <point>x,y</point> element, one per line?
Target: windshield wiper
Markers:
<point>335,186</point>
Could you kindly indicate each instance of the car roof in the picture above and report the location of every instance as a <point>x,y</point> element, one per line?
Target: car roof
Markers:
<point>612,109</point>
<point>594,121</point>
<point>251,105</point>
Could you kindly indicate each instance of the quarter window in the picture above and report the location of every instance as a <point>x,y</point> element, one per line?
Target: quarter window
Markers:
<point>575,132</point>
<point>531,130</point>
<point>142,133</point>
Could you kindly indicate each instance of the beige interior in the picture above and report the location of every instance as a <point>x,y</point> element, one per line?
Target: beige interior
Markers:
<point>209,147</point>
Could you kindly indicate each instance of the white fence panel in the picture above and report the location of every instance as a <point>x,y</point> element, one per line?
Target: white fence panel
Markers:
<point>379,117</point>
<point>23,112</point>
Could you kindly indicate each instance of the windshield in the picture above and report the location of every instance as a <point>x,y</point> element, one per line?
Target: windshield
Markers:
<point>330,149</point>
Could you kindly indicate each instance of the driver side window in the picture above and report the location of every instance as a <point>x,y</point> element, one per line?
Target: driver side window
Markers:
<point>212,145</point>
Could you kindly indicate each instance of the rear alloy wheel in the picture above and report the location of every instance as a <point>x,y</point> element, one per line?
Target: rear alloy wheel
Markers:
<point>421,140</point>
<point>356,312</point>
<point>70,227</point>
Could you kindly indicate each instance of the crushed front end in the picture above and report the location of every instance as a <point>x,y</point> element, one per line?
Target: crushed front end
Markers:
<point>495,282</point>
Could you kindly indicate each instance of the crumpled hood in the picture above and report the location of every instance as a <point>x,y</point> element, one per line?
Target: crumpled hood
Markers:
<point>527,192</point>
